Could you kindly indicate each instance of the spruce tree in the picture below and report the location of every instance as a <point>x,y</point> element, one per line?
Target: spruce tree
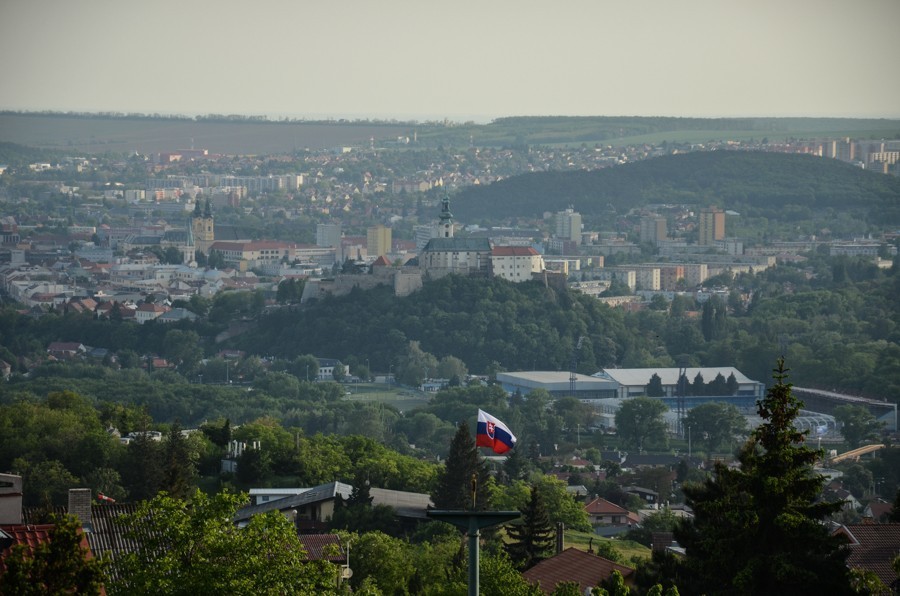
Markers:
<point>532,539</point>
<point>454,488</point>
<point>758,529</point>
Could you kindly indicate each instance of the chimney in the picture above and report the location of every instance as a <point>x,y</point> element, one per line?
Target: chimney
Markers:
<point>660,541</point>
<point>80,506</point>
<point>560,544</point>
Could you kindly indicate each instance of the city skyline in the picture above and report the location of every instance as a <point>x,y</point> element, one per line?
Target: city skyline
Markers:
<point>465,61</point>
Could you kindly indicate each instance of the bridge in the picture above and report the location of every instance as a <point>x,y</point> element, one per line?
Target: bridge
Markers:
<point>825,402</point>
<point>855,453</point>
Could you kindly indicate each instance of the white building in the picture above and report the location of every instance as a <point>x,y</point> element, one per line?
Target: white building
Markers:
<point>568,225</point>
<point>516,263</point>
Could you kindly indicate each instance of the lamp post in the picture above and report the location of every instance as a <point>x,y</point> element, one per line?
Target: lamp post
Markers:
<point>368,370</point>
<point>473,522</point>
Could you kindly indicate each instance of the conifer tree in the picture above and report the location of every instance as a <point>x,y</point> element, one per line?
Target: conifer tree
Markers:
<point>454,488</point>
<point>758,529</point>
<point>531,540</point>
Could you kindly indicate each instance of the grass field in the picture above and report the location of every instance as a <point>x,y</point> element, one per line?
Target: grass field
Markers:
<point>628,548</point>
<point>402,398</point>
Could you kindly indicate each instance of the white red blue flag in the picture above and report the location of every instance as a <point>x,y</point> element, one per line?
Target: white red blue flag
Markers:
<point>492,433</point>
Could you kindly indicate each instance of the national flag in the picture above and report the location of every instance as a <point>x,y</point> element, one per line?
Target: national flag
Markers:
<point>493,433</point>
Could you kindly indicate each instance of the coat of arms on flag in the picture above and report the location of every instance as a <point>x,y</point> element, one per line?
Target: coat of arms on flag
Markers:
<point>493,433</point>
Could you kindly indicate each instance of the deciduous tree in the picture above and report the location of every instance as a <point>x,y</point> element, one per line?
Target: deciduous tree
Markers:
<point>640,420</point>
<point>193,547</point>
<point>857,424</point>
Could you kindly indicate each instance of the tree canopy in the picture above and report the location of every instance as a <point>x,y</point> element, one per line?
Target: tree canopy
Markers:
<point>757,529</point>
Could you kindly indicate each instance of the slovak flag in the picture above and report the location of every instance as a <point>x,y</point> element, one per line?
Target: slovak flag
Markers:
<point>493,433</point>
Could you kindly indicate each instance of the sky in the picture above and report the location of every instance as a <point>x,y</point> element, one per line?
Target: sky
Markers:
<point>461,60</point>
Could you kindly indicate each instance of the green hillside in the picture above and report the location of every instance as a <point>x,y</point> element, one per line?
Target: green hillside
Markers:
<point>753,183</point>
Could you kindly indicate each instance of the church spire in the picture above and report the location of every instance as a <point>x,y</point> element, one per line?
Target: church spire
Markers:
<point>446,217</point>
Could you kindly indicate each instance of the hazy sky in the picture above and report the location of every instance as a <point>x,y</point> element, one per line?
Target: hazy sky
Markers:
<point>465,59</point>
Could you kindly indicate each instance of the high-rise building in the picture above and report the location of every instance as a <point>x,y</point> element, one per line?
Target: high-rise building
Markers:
<point>653,229</point>
<point>568,226</point>
<point>330,235</point>
<point>378,241</point>
<point>712,226</point>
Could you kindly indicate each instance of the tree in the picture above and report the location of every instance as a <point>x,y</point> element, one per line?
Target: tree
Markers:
<point>179,465</point>
<point>561,504</point>
<point>193,547</point>
<point>715,424</point>
<point>655,387</point>
<point>385,560</point>
<point>712,321</point>
<point>454,486</point>
<point>857,424</point>
<point>641,419</point>
<point>58,566</point>
<point>757,529</point>
<point>532,539</point>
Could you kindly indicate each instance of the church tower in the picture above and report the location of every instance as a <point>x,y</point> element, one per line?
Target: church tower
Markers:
<point>203,227</point>
<point>446,225</point>
<point>189,251</point>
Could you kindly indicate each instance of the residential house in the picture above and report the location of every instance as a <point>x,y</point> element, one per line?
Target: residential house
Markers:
<point>603,512</point>
<point>309,509</point>
<point>576,565</point>
<point>873,547</point>
<point>646,495</point>
<point>326,368</point>
<point>66,350</point>
<point>149,311</point>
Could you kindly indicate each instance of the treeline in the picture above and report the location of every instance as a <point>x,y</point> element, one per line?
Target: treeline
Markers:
<point>836,319</point>
<point>231,118</point>
<point>485,322</point>
<point>752,183</point>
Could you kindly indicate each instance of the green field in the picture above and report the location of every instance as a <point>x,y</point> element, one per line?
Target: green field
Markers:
<point>402,398</point>
<point>628,548</point>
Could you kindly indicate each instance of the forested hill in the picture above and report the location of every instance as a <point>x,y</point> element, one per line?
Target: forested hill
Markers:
<point>761,184</point>
<point>481,321</point>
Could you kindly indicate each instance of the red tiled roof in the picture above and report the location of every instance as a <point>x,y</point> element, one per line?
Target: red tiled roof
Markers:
<point>32,536</point>
<point>323,547</point>
<point>601,506</point>
<point>880,509</point>
<point>574,565</point>
<point>514,251</point>
<point>873,547</point>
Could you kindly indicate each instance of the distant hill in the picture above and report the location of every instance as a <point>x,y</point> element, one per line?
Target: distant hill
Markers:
<point>765,183</point>
<point>234,134</point>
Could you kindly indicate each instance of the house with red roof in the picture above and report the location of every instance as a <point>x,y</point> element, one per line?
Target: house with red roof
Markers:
<point>873,547</point>
<point>573,565</point>
<point>603,512</point>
